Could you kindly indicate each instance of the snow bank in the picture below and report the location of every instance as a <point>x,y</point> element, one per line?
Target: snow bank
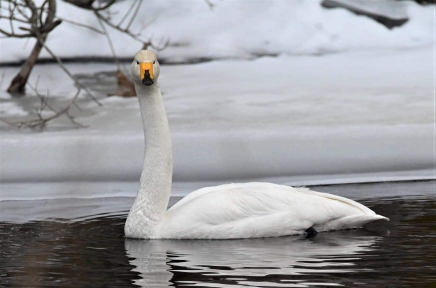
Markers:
<point>343,117</point>
<point>233,29</point>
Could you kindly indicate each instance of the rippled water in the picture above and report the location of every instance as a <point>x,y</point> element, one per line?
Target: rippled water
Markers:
<point>94,253</point>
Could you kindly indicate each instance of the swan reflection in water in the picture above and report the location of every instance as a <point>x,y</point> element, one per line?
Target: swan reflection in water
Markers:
<point>241,261</point>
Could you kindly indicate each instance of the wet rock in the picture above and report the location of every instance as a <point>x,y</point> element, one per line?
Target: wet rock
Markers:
<point>390,13</point>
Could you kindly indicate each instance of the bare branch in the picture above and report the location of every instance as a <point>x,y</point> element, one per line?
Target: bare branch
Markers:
<point>110,43</point>
<point>40,14</point>
<point>146,43</point>
<point>105,6</point>
<point>2,78</point>
<point>37,26</point>
<point>127,13</point>
<point>42,121</point>
<point>68,72</point>
<point>134,14</point>
<point>88,4</point>
<point>147,23</point>
<point>210,4</point>
<point>23,12</point>
<point>13,18</point>
<point>34,16</point>
<point>163,44</point>
<point>80,25</point>
<point>119,28</point>
<point>16,125</point>
<point>13,35</point>
<point>11,13</point>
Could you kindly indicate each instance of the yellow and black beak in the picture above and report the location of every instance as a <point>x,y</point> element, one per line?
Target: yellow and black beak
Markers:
<point>146,73</point>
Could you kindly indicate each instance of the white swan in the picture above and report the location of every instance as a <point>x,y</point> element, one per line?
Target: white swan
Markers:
<point>222,212</point>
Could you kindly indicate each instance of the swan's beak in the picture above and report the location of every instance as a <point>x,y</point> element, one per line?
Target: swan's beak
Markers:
<point>146,73</point>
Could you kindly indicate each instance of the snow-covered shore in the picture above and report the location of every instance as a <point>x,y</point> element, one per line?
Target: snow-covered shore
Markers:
<point>348,117</point>
<point>234,30</point>
<point>344,100</point>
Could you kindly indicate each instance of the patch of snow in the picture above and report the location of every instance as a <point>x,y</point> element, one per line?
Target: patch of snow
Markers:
<point>11,109</point>
<point>233,29</point>
<point>359,115</point>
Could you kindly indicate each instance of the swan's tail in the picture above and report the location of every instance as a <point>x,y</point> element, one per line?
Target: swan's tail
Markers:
<point>346,222</point>
<point>350,222</point>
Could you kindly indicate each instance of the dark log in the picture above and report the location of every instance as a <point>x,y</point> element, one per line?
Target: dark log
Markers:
<point>18,84</point>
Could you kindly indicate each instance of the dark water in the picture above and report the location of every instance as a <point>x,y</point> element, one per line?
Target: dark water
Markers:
<point>94,253</point>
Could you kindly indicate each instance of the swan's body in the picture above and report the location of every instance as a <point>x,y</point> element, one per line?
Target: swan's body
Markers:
<point>222,212</point>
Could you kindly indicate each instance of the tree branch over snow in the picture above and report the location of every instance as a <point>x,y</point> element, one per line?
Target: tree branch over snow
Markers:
<point>127,29</point>
<point>59,61</point>
<point>26,12</point>
<point>41,120</point>
<point>80,25</point>
<point>89,4</point>
<point>17,13</point>
<point>30,20</point>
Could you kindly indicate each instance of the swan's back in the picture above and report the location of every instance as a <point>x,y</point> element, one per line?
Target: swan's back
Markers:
<point>260,210</point>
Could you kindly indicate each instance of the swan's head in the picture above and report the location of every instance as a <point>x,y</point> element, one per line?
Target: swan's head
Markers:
<point>145,68</point>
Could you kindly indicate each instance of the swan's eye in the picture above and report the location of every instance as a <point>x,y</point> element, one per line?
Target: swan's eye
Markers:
<point>154,62</point>
<point>137,62</point>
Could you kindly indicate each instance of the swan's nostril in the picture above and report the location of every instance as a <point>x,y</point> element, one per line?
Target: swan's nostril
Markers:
<point>147,82</point>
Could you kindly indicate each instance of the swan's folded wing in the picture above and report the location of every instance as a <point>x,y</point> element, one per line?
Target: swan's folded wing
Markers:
<point>255,210</point>
<point>195,194</point>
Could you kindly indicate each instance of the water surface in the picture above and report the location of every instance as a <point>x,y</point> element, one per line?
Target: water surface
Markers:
<point>92,251</point>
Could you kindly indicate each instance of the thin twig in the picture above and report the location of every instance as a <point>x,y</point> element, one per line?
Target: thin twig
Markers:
<point>80,25</point>
<point>119,28</point>
<point>57,113</point>
<point>68,72</point>
<point>2,78</point>
<point>16,125</point>
<point>148,23</point>
<point>127,13</point>
<point>210,4</point>
<point>42,121</point>
<point>13,35</point>
<point>110,43</point>
<point>134,15</point>
<point>129,33</point>
<point>41,14</point>
<point>37,26</point>
<point>25,43</point>
<point>36,84</point>
<point>105,6</point>
<point>11,13</point>
<point>13,18</point>
<point>23,12</point>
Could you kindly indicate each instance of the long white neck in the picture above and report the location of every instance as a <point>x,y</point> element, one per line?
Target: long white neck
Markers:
<point>151,202</point>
